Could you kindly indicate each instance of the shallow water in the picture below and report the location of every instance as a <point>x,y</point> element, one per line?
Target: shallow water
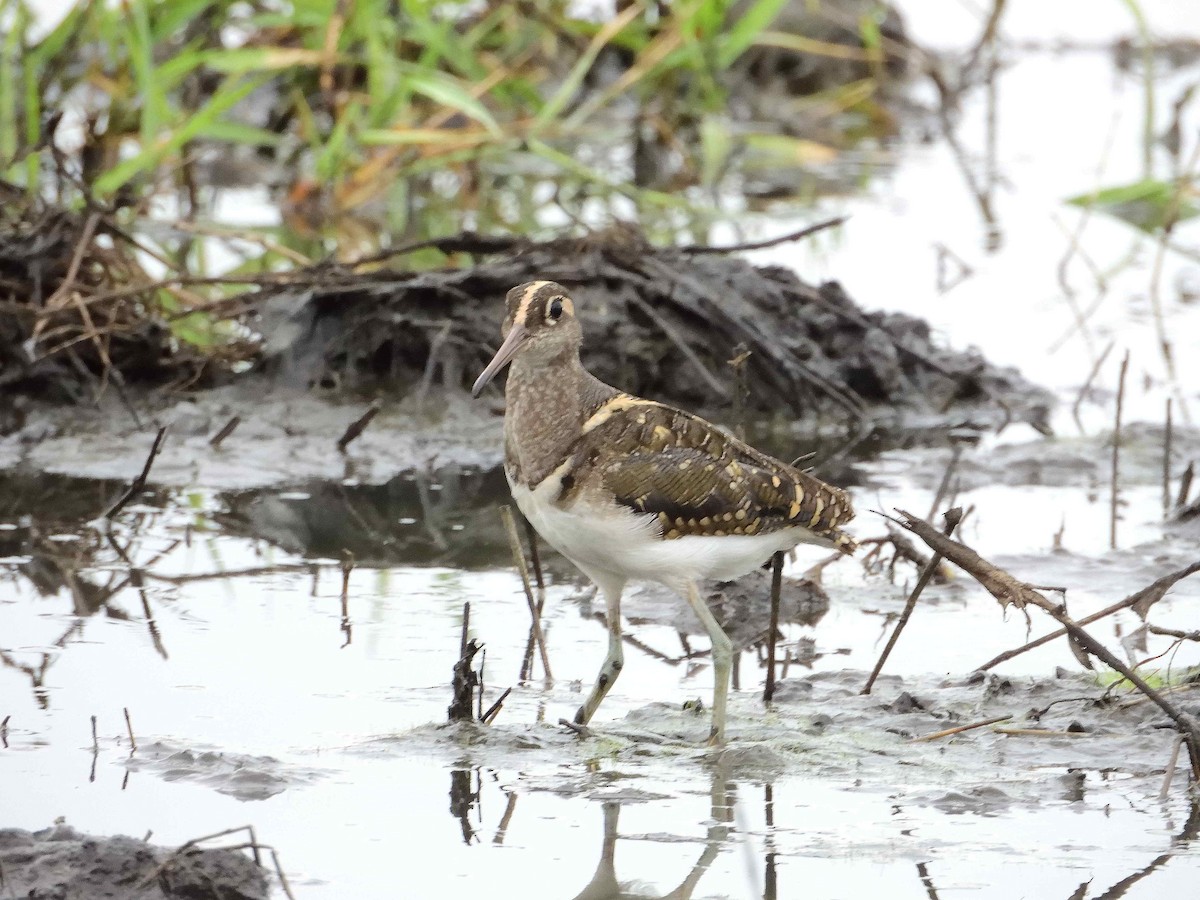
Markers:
<point>254,698</point>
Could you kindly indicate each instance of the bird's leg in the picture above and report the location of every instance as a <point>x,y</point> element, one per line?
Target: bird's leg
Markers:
<point>613,662</point>
<point>722,654</point>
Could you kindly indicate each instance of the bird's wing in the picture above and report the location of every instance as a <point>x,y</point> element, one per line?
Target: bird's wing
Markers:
<point>699,480</point>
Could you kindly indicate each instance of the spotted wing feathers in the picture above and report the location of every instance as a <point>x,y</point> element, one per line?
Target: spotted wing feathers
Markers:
<point>699,480</point>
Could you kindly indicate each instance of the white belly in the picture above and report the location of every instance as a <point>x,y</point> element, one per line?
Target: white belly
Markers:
<point>607,542</point>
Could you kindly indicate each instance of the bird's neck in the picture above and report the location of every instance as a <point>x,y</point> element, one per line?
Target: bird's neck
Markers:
<point>546,404</point>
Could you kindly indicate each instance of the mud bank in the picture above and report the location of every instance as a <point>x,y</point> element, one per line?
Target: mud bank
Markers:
<point>663,323</point>
<point>59,863</point>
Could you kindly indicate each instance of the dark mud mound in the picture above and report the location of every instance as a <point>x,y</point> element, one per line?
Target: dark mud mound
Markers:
<point>77,311</point>
<point>61,864</point>
<point>661,322</point>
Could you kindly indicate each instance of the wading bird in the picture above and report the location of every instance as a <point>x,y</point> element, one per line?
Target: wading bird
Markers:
<point>630,488</point>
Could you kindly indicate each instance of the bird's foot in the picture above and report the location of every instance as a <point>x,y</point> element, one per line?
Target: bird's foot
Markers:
<point>578,727</point>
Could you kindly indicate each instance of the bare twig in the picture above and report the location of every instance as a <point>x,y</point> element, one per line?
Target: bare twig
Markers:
<point>1140,600</point>
<point>226,431</point>
<point>1007,589</point>
<point>769,242</point>
<point>347,569</point>
<point>535,559</point>
<point>959,729</point>
<point>1174,632</point>
<point>1040,732</point>
<point>359,425</point>
<point>714,383</point>
<point>129,729</point>
<point>1169,774</point>
<point>952,518</point>
<point>139,483</point>
<point>1185,486</point>
<point>1116,455</point>
<point>1087,384</point>
<point>582,730</point>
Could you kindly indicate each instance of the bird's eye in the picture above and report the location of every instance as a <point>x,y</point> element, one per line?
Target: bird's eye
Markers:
<point>556,309</point>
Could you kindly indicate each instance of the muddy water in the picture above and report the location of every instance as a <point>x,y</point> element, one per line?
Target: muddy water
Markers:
<point>254,700</point>
<point>255,697</point>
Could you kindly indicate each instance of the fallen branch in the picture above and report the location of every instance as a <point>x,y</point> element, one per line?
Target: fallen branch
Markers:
<point>769,242</point>
<point>1008,590</point>
<point>514,542</point>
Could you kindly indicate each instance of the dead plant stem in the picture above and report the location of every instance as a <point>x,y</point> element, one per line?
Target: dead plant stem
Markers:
<point>952,518</point>
<point>1115,500</point>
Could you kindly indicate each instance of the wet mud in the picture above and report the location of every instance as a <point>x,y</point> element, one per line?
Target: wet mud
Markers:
<point>60,863</point>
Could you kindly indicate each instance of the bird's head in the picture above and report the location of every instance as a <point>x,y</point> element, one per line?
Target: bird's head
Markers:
<point>539,325</point>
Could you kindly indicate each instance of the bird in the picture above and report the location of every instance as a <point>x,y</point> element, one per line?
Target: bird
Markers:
<point>629,488</point>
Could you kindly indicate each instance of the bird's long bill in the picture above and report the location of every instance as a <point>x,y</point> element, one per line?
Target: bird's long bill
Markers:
<point>508,349</point>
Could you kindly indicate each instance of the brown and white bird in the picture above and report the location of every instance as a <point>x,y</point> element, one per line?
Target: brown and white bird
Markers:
<point>630,488</point>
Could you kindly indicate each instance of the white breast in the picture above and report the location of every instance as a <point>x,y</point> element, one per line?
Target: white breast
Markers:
<point>608,539</point>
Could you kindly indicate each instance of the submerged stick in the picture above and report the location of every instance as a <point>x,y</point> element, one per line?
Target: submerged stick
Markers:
<point>952,518</point>
<point>494,710</point>
<point>139,483</point>
<point>776,585</point>
<point>359,425</point>
<point>1116,454</point>
<point>514,542</point>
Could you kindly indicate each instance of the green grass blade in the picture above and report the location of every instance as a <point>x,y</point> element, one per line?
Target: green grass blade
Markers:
<point>449,93</point>
<point>152,154</point>
<point>555,105</point>
<point>154,106</point>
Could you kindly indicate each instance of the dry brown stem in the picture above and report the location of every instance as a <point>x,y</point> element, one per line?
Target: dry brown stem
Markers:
<point>952,519</point>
